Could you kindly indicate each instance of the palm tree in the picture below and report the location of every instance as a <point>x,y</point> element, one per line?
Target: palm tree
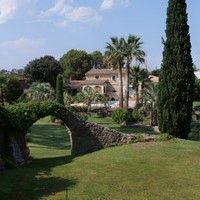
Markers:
<point>150,94</point>
<point>38,92</point>
<point>89,96</point>
<point>138,75</point>
<point>68,99</point>
<point>132,50</point>
<point>115,54</point>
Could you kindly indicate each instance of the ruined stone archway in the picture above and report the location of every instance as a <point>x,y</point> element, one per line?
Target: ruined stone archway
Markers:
<point>85,136</point>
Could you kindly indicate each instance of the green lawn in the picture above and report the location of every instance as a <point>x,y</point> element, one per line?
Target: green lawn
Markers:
<point>107,121</point>
<point>139,171</point>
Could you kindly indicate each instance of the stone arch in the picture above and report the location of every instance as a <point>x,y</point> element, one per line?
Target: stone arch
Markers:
<point>85,136</point>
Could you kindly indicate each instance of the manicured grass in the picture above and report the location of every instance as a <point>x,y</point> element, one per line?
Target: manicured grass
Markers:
<point>140,171</point>
<point>107,121</point>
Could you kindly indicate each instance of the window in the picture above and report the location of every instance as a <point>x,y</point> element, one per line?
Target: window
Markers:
<point>113,78</point>
<point>96,77</point>
<point>98,89</point>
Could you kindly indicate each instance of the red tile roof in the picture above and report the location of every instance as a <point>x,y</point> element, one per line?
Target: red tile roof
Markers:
<point>103,71</point>
<point>95,82</point>
<point>73,84</point>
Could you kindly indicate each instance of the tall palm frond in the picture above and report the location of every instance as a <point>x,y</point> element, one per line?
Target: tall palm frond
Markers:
<point>116,55</point>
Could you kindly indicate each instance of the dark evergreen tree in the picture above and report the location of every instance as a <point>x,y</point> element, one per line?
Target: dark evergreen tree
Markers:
<point>44,69</point>
<point>176,86</point>
<point>59,89</point>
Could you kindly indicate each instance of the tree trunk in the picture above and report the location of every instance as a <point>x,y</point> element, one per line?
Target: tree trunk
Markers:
<point>127,86</point>
<point>120,88</point>
<point>136,94</point>
<point>154,121</point>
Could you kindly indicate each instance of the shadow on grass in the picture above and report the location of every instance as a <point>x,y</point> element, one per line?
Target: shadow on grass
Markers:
<point>137,130</point>
<point>46,175</point>
<point>36,180</point>
<point>49,135</point>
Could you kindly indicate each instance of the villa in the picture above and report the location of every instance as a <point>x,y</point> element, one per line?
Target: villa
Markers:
<point>103,81</point>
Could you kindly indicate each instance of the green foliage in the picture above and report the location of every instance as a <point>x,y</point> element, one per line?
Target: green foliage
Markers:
<point>155,72</point>
<point>59,89</point>
<point>10,88</point>
<point>195,133</point>
<point>44,69</point>
<point>138,75</point>
<point>163,137</point>
<point>5,117</point>
<point>119,115</point>
<point>197,89</point>
<point>9,163</point>
<point>89,96</point>
<point>38,92</point>
<point>136,116</point>
<point>68,99</point>
<point>176,86</point>
<point>75,64</point>
<point>23,115</point>
<point>97,59</point>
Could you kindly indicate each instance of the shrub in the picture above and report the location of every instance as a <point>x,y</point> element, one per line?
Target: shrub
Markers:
<point>164,137</point>
<point>136,117</point>
<point>119,115</point>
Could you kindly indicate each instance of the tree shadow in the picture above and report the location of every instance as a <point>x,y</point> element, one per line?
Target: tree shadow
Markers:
<point>39,179</point>
<point>49,135</point>
<point>36,180</point>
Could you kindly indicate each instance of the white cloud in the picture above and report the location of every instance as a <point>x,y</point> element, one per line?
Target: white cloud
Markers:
<point>60,8</point>
<point>108,4</point>
<point>7,10</point>
<point>83,14</point>
<point>21,43</point>
<point>62,14</point>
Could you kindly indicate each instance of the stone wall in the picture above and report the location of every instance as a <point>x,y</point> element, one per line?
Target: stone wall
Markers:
<point>10,148</point>
<point>87,137</point>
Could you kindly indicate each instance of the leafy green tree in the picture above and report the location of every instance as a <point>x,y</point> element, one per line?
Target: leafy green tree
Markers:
<point>176,87</point>
<point>10,89</point>
<point>75,64</point>
<point>89,96</point>
<point>44,69</point>
<point>59,89</point>
<point>97,59</point>
<point>38,92</point>
<point>115,55</point>
<point>155,72</point>
<point>132,50</point>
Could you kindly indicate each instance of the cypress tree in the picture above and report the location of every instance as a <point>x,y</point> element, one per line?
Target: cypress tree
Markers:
<point>59,89</point>
<point>176,87</point>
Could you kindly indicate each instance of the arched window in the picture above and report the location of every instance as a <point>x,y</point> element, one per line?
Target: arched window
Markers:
<point>98,89</point>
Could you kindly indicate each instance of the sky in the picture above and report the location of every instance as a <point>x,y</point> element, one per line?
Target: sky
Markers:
<point>30,29</point>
